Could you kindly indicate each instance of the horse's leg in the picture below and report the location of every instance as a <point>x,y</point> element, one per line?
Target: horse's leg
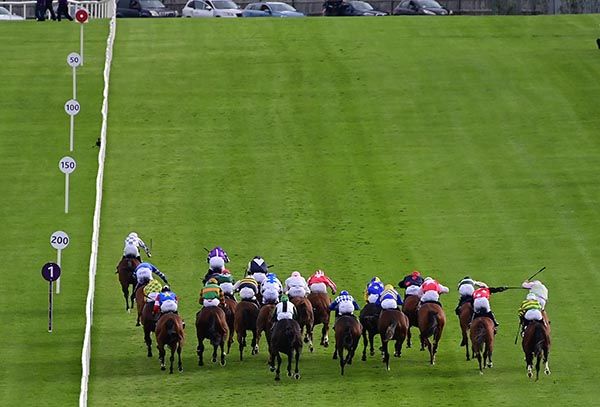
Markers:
<point>125,289</point>
<point>465,342</point>
<point>341,355</point>
<point>477,354</point>
<point>278,371</point>
<point>529,362</point>
<point>179,365</point>
<point>172,359</point>
<point>214,355</point>
<point>222,346</point>
<point>309,333</point>
<point>372,343</point>
<point>241,337</point>
<point>290,355</point>
<point>386,355</point>
<point>335,353</point>
<point>434,348</point>
<point>296,371</point>
<point>325,334</point>
<point>148,340</point>
<point>230,338</point>
<point>546,367</point>
<point>254,342</point>
<point>365,344</point>
<point>537,366</point>
<point>200,351</point>
<point>161,356</point>
<point>408,337</point>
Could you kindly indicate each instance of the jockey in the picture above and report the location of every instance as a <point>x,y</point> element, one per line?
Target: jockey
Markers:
<point>295,286</point>
<point>248,288</point>
<point>166,301</point>
<point>481,304</point>
<point>389,298</point>
<point>132,245</point>
<point>143,274</point>
<point>411,283</point>
<point>466,287</point>
<point>216,265</point>
<point>271,289</point>
<point>211,295</point>
<point>151,290</point>
<point>430,290</point>
<point>257,268</point>
<point>530,310</point>
<point>217,252</point>
<point>344,304</point>
<point>373,290</point>
<point>319,282</point>
<point>285,309</point>
<point>538,289</point>
<point>225,281</point>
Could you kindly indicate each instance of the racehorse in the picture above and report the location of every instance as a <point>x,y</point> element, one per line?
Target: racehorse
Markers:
<point>482,340</point>
<point>125,269</point>
<point>169,331</point>
<point>392,325</point>
<point>320,303</point>
<point>149,325</point>
<point>411,302</point>
<point>347,335</point>
<point>140,300</point>
<point>536,342</point>
<point>264,322</point>
<point>211,324</point>
<point>306,318</point>
<point>246,315</point>
<point>431,323</point>
<point>464,317</point>
<point>229,305</point>
<point>369,318</point>
<point>285,338</point>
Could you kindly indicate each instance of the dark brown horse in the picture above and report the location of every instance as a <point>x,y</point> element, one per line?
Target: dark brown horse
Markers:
<point>536,343</point>
<point>306,318</point>
<point>140,300</point>
<point>229,306</point>
<point>411,302</point>
<point>246,315</point>
<point>392,325</point>
<point>320,303</point>
<point>347,335</point>
<point>482,340</point>
<point>286,338</point>
<point>149,323</point>
<point>211,324</point>
<point>169,332</point>
<point>264,322</point>
<point>431,323</point>
<point>125,270</point>
<point>464,317</point>
<point>369,319</point>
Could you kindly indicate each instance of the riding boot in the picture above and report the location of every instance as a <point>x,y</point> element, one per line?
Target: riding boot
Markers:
<point>493,317</point>
<point>139,258</point>
<point>457,309</point>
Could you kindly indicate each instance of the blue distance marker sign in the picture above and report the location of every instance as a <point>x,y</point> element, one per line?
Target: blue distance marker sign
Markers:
<point>51,273</point>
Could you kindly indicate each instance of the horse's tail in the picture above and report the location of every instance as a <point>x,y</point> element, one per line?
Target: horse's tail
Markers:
<point>391,330</point>
<point>433,324</point>
<point>539,339</point>
<point>347,339</point>
<point>172,333</point>
<point>479,338</point>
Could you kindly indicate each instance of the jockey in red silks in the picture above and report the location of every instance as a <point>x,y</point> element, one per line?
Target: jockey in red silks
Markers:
<point>430,290</point>
<point>481,304</point>
<point>319,282</point>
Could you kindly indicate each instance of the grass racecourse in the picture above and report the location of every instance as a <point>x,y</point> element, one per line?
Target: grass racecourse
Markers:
<point>457,146</point>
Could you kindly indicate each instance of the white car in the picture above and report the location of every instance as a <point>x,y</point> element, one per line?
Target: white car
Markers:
<point>211,8</point>
<point>6,15</point>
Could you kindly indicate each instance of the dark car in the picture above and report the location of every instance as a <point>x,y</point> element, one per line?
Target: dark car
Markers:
<point>421,7</point>
<point>143,8</point>
<point>350,8</point>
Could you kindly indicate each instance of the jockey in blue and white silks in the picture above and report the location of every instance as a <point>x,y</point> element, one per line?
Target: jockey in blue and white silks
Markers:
<point>374,290</point>
<point>166,301</point>
<point>143,273</point>
<point>344,304</point>
<point>271,289</point>
<point>389,298</point>
<point>132,245</point>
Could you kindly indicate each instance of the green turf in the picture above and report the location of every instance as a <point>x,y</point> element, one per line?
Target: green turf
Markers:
<point>37,367</point>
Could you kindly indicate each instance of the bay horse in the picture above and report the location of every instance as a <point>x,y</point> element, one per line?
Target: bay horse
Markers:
<point>149,324</point>
<point>320,303</point>
<point>140,300</point>
<point>431,323</point>
<point>347,335</point>
<point>246,315</point>
<point>536,343</point>
<point>125,270</point>
<point>465,314</point>
<point>286,338</point>
<point>369,319</point>
<point>211,324</point>
<point>409,307</point>
<point>264,322</point>
<point>229,306</point>
<point>392,325</point>
<point>306,318</point>
<point>169,332</point>
<point>482,340</point>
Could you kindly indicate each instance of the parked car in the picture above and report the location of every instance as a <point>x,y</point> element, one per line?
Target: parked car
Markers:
<point>421,7</point>
<point>211,8</point>
<point>350,8</point>
<point>6,15</point>
<point>143,8</point>
<point>271,9</point>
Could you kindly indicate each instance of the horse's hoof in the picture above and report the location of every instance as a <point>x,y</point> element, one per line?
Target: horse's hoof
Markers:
<point>277,378</point>
<point>149,354</point>
<point>214,360</point>
<point>128,311</point>
<point>311,349</point>
<point>468,358</point>
<point>289,374</point>
<point>305,340</point>
<point>372,353</point>
<point>170,371</point>
<point>200,363</point>
<point>326,344</point>
<point>181,370</point>
<point>163,368</point>
<point>387,368</point>
<point>530,375</point>
<point>547,371</point>
<point>481,372</point>
<point>272,368</point>
<point>490,365</point>
<point>296,376</point>
<point>364,358</point>
<point>223,362</point>
<point>137,324</point>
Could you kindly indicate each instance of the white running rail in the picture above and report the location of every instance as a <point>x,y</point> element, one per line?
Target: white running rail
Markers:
<point>89,304</point>
<point>97,9</point>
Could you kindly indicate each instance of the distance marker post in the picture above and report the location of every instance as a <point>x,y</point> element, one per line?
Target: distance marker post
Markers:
<point>82,17</point>
<point>74,60</point>
<point>59,240</point>
<point>67,165</point>
<point>72,109</point>
<point>51,273</point>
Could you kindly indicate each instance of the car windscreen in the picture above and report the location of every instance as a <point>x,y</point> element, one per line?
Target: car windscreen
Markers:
<point>281,7</point>
<point>151,4</point>
<point>224,4</point>
<point>361,5</point>
<point>4,11</point>
<point>429,4</point>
